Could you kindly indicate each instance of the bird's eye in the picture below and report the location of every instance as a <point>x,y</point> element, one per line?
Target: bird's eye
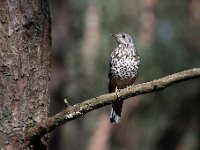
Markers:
<point>123,36</point>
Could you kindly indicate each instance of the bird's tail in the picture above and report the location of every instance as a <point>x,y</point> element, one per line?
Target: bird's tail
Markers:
<point>116,112</point>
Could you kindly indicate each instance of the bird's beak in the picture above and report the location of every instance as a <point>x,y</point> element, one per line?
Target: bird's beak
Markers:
<point>113,35</point>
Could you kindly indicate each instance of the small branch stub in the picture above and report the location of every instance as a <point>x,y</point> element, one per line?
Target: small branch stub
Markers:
<point>66,102</point>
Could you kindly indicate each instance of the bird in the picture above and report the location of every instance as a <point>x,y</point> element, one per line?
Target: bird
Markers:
<point>123,69</point>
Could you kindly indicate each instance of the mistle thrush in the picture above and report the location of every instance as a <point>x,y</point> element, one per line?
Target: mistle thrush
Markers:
<point>124,64</point>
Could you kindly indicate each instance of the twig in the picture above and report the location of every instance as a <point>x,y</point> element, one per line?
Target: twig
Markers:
<point>77,110</point>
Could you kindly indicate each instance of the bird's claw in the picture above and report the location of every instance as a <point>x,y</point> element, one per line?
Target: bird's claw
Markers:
<point>116,91</point>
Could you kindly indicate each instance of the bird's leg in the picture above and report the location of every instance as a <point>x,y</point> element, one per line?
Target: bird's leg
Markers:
<point>117,90</point>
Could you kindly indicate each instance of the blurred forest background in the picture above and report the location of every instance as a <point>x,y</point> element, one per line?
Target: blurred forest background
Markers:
<point>167,35</point>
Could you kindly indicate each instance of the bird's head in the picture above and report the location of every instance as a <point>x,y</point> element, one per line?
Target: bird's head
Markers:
<point>124,38</point>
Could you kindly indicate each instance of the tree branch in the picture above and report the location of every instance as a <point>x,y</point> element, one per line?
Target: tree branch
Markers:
<point>77,110</point>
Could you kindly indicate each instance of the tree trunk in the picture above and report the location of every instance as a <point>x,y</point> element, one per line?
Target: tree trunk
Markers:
<point>24,70</point>
<point>147,21</point>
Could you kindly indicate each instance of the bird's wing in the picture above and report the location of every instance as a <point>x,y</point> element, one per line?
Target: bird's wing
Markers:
<point>111,84</point>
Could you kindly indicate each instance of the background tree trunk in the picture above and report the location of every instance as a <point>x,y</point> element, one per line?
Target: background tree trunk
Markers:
<point>24,69</point>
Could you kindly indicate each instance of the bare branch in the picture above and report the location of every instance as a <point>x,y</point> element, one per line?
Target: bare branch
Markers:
<point>77,110</point>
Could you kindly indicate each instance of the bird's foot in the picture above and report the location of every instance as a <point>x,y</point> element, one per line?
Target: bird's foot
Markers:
<point>116,91</point>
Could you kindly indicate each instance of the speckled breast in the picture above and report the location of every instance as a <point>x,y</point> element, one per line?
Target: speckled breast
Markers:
<point>124,64</point>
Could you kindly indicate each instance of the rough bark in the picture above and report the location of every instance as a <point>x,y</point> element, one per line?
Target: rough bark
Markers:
<point>24,69</point>
<point>77,110</point>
